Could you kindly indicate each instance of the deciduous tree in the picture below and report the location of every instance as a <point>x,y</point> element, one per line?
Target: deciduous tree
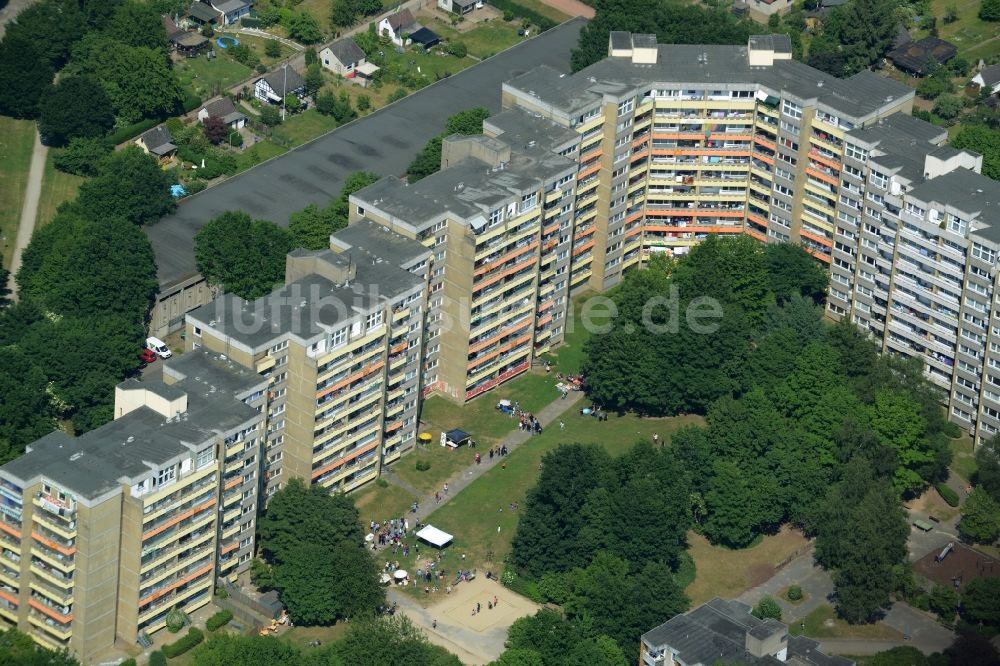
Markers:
<point>130,185</point>
<point>980,517</point>
<point>77,107</point>
<point>246,256</point>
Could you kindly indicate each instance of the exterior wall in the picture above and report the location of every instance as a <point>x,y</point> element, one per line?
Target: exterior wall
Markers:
<point>174,302</point>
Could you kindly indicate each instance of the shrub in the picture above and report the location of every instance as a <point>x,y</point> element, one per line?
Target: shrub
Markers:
<point>192,638</point>
<point>794,593</point>
<point>81,156</point>
<point>947,494</point>
<point>176,619</point>
<point>554,587</point>
<point>458,49</point>
<point>272,49</point>
<point>250,22</point>
<point>220,592</point>
<point>381,483</point>
<point>157,659</point>
<point>767,608</point>
<point>191,102</point>
<point>131,131</point>
<point>218,620</point>
<point>363,103</point>
<point>397,94</point>
<point>948,106</point>
<point>423,465</point>
<point>128,662</point>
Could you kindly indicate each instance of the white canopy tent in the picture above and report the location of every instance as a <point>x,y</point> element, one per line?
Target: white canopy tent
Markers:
<point>434,536</point>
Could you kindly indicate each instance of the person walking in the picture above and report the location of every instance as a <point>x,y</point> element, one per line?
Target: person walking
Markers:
<point>562,425</point>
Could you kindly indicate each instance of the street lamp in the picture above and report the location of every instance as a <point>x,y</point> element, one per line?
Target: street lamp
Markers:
<point>284,90</point>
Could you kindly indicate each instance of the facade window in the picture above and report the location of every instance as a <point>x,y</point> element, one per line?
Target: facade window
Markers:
<point>374,320</point>
<point>338,337</point>
<point>984,253</point>
<point>496,217</point>
<point>791,109</point>
<point>854,152</point>
<point>528,201</point>
<point>205,457</point>
<point>166,475</point>
<point>957,224</point>
<point>626,106</point>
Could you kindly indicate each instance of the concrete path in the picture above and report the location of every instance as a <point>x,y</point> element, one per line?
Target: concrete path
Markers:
<point>922,628</point>
<point>29,210</point>
<point>425,502</point>
<point>859,647</point>
<point>816,584</point>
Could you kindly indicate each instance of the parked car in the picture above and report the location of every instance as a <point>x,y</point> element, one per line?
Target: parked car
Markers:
<point>147,356</point>
<point>158,347</point>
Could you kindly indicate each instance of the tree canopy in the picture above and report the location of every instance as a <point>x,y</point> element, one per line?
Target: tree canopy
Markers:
<point>314,543</point>
<point>129,185</point>
<point>672,22</point>
<point>19,649</point>
<point>311,227</point>
<point>77,107</point>
<point>245,256</point>
<point>428,160</point>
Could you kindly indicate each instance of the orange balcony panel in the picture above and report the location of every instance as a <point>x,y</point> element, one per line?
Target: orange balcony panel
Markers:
<point>693,212</point>
<point>818,175</point>
<point>231,547</point>
<point>9,530</point>
<point>633,232</point>
<point>482,344</point>
<point>583,248</point>
<point>65,619</point>
<point>695,229</point>
<point>822,240</point>
<point>633,217</point>
<point>513,372</point>
<point>764,142</point>
<point>496,352</point>
<point>52,544</point>
<point>177,583</point>
<point>232,484</point>
<point>10,598</point>
<point>392,427</point>
<point>713,152</point>
<point>176,519</point>
<point>755,234</point>
<point>551,244</point>
<point>764,158</point>
<point>486,268</point>
<point>361,374</point>
<point>499,276</point>
<point>401,347</point>
<point>819,255</point>
<point>588,171</point>
<point>756,218</point>
<point>544,320</point>
<point>585,232</point>
<point>546,305</point>
<point>833,164</point>
<point>551,229</point>
<point>341,461</point>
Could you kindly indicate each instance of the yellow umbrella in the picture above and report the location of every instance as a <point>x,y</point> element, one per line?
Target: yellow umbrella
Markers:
<point>425,437</point>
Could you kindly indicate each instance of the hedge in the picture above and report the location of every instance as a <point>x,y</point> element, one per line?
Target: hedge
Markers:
<point>543,22</point>
<point>131,131</point>
<point>156,658</point>
<point>218,620</point>
<point>947,494</point>
<point>250,22</point>
<point>192,638</point>
<point>128,662</point>
<point>191,102</point>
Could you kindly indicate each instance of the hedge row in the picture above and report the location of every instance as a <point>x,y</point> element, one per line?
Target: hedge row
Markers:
<point>543,22</point>
<point>131,131</point>
<point>947,494</point>
<point>191,102</point>
<point>192,638</point>
<point>218,620</point>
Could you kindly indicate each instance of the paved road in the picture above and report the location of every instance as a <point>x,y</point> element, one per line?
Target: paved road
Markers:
<point>384,142</point>
<point>29,210</point>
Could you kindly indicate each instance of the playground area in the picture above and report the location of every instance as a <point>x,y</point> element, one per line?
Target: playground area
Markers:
<point>958,567</point>
<point>458,609</point>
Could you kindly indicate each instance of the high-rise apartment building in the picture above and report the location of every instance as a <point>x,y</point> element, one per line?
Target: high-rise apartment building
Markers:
<point>101,535</point>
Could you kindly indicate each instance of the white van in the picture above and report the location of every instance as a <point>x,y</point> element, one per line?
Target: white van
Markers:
<point>159,347</point>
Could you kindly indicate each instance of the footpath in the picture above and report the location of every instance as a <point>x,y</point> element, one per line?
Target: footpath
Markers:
<point>425,502</point>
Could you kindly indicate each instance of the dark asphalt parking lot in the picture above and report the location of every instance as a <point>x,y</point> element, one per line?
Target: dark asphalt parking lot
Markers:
<point>384,142</point>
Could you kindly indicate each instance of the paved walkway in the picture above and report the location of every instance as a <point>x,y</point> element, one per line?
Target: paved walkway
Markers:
<point>425,502</point>
<point>29,210</point>
<point>816,584</point>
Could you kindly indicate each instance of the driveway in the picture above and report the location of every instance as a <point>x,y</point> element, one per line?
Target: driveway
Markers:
<point>384,142</point>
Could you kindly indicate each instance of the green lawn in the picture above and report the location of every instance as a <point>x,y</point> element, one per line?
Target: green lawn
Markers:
<point>974,37</point>
<point>302,128</point>
<point>963,461</point>
<point>260,152</point>
<point>207,78</point>
<point>375,503</point>
<point>544,10</point>
<point>482,41</point>
<point>258,43</point>
<point>57,187</point>
<point>568,357</point>
<point>475,513</point>
<point>420,66</point>
<point>824,623</point>
<point>480,418</point>
<point>17,137</point>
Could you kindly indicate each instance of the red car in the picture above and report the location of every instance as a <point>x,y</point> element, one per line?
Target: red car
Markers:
<point>147,356</point>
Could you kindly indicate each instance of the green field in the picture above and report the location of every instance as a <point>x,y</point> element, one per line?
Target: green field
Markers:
<point>568,358</point>
<point>974,37</point>
<point>17,138</point>
<point>485,40</point>
<point>207,78</point>
<point>474,514</point>
<point>963,460</point>
<point>303,127</point>
<point>57,187</point>
<point>824,623</point>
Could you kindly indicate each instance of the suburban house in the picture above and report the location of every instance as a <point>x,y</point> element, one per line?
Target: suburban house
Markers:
<point>225,109</point>
<point>274,86</point>
<point>397,25</point>
<point>184,42</point>
<point>345,58</point>
<point>159,143</point>
<point>988,78</point>
<point>201,13</point>
<point>231,10</point>
<point>459,6</point>
<point>912,57</point>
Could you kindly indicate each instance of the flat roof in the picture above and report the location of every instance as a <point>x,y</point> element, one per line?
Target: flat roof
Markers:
<point>379,241</point>
<point>969,192</point>
<point>310,306</point>
<point>904,142</point>
<point>468,189</point>
<point>708,64</point>
<point>521,128</point>
<point>100,461</point>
